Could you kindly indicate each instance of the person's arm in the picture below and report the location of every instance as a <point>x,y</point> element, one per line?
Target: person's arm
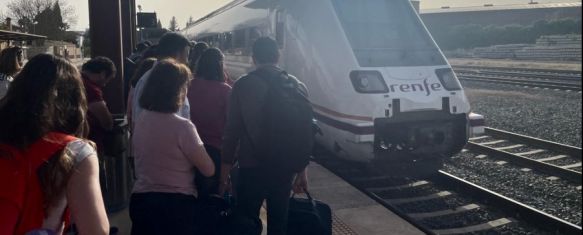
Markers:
<point>193,148</point>
<point>233,129</point>
<point>85,200</point>
<point>301,182</point>
<point>100,111</point>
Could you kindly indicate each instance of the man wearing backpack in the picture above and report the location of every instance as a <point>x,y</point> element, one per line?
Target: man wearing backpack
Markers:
<point>269,132</point>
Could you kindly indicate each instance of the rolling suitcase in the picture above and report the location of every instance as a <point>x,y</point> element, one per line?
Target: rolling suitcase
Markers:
<point>309,217</point>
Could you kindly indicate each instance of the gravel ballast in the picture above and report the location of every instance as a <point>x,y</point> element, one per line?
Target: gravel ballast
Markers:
<point>556,197</point>
<point>546,114</point>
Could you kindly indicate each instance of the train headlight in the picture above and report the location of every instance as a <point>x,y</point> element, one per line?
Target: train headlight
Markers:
<point>448,79</point>
<point>368,82</point>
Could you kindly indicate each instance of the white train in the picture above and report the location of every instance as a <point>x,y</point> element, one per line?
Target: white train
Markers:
<point>381,89</point>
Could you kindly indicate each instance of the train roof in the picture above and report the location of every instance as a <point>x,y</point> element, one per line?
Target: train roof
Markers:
<point>216,12</point>
<point>500,7</point>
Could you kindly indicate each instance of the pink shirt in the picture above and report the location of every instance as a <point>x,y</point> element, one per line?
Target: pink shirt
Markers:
<point>208,109</point>
<point>164,149</point>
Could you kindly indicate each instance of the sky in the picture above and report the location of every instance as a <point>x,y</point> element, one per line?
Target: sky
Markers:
<point>184,9</point>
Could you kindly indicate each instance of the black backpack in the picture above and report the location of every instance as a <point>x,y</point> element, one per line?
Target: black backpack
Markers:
<point>288,131</point>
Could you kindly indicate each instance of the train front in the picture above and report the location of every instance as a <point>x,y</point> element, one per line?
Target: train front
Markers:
<point>422,117</point>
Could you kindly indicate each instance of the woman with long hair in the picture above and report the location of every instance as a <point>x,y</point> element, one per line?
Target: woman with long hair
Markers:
<point>11,62</point>
<point>167,151</point>
<point>208,95</point>
<point>195,54</point>
<point>48,170</point>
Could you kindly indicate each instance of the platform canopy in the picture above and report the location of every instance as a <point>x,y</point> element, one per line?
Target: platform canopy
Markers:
<point>17,36</point>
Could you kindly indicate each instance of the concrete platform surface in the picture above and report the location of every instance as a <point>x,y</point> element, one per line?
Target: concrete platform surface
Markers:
<point>354,213</point>
<point>353,209</point>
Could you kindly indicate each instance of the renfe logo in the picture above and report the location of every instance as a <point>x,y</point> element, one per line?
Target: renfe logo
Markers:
<point>416,87</point>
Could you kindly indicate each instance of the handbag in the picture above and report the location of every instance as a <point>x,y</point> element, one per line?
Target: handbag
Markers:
<point>308,216</point>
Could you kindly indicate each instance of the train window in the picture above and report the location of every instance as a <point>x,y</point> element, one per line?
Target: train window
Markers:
<point>239,38</point>
<point>226,41</point>
<point>386,33</point>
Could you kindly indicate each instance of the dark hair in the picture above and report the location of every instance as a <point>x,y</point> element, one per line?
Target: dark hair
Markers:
<point>165,89</point>
<point>11,60</point>
<point>46,96</point>
<point>265,51</point>
<point>98,65</point>
<point>196,53</point>
<point>150,52</point>
<point>143,67</point>
<point>171,44</point>
<point>210,65</point>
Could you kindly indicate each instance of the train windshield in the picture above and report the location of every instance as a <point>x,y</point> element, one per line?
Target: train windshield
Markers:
<point>387,33</point>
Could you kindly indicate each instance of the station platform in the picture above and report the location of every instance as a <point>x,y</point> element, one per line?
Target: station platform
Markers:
<point>354,213</point>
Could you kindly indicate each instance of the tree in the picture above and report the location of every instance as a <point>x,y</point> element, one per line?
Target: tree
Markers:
<point>159,24</point>
<point>190,22</point>
<point>173,25</point>
<point>50,23</point>
<point>52,11</point>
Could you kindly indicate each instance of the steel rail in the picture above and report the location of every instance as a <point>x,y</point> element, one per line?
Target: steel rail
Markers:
<point>535,142</point>
<point>508,205</point>
<point>522,82</point>
<point>557,77</point>
<point>549,71</point>
<point>553,170</point>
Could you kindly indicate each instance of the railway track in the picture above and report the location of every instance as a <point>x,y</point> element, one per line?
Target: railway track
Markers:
<point>572,74</point>
<point>522,82</point>
<point>445,204</point>
<point>520,77</point>
<point>557,160</point>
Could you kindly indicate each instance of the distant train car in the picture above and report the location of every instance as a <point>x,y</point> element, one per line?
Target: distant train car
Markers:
<point>382,91</point>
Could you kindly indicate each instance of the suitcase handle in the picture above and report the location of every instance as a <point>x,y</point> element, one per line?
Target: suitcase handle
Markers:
<point>312,201</point>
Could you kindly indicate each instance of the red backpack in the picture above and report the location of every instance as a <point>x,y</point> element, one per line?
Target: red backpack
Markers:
<point>22,205</point>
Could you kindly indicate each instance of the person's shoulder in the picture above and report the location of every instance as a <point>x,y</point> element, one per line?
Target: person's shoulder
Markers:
<point>301,85</point>
<point>80,150</point>
<point>247,80</point>
<point>181,121</point>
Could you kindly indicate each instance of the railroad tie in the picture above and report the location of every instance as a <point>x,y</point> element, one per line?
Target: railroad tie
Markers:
<point>481,156</point>
<point>530,152</point>
<point>510,147</point>
<point>460,209</point>
<point>406,186</point>
<point>418,199</point>
<point>479,138</point>
<point>578,164</point>
<point>475,228</point>
<point>553,178</point>
<point>548,159</point>
<point>493,142</point>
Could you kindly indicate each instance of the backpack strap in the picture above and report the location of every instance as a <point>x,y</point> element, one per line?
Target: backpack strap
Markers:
<point>18,172</point>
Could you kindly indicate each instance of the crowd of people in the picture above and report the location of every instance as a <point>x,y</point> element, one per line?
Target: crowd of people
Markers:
<point>191,127</point>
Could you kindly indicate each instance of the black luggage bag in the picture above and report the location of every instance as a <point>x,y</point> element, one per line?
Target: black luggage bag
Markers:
<point>309,217</point>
